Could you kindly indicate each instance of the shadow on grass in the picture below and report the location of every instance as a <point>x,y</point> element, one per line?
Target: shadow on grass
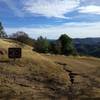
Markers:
<point>4,61</point>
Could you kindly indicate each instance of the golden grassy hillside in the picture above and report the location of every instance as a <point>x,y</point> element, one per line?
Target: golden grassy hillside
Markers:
<point>32,77</point>
<point>40,77</point>
<point>87,68</point>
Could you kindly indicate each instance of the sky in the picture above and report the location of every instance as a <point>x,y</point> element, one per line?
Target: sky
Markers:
<point>51,18</point>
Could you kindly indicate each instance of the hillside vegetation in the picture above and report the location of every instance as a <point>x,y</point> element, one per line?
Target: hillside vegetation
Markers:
<point>43,77</point>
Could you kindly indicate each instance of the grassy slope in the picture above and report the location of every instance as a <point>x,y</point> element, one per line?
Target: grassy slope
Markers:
<point>88,69</point>
<point>30,75</point>
<point>38,77</point>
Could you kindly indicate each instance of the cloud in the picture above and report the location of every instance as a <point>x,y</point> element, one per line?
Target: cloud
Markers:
<point>91,9</point>
<point>13,7</point>
<point>58,9</point>
<point>50,8</point>
<point>74,30</point>
<point>90,2</point>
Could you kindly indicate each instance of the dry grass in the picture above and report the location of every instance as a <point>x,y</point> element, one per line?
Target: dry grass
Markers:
<point>88,69</point>
<point>38,76</point>
<point>30,59</point>
<point>32,70</point>
<point>77,64</point>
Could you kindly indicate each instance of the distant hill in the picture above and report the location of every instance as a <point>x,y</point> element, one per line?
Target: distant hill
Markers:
<point>87,41</point>
<point>88,46</point>
<point>90,41</point>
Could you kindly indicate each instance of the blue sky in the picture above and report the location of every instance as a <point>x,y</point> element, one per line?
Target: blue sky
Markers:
<point>51,18</point>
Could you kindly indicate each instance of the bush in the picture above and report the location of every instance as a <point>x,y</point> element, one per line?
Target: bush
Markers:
<point>22,37</point>
<point>41,45</point>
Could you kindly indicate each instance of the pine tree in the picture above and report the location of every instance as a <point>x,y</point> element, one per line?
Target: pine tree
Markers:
<point>67,46</point>
<point>2,32</point>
